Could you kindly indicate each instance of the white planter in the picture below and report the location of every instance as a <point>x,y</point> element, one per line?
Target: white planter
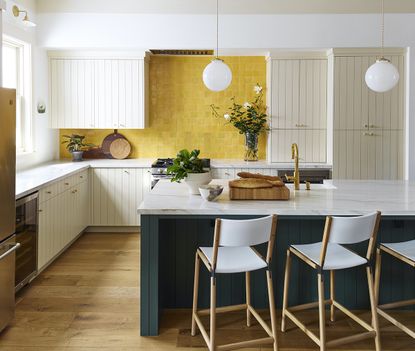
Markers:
<point>195,180</point>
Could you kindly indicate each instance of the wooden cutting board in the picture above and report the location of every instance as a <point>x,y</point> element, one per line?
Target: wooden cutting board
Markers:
<point>274,193</point>
<point>120,149</point>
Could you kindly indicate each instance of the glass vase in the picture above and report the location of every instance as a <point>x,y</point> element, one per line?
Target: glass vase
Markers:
<point>251,147</point>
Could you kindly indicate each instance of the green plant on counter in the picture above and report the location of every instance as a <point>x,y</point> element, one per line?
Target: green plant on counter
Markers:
<point>184,163</point>
<point>75,142</point>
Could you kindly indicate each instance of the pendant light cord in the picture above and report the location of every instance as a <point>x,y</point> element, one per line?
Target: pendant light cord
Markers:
<point>382,28</point>
<point>217,28</point>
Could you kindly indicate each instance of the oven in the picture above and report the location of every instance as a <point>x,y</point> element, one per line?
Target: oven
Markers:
<point>27,235</point>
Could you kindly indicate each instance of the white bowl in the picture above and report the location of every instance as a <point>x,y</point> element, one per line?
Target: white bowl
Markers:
<point>210,192</point>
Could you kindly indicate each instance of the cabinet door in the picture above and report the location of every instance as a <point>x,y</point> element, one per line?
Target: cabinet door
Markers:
<point>311,145</point>
<point>106,93</point>
<point>116,195</point>
<point>368,154</point>
<point>71,93</point>
<point>299,94</point>
<point>356,106</point>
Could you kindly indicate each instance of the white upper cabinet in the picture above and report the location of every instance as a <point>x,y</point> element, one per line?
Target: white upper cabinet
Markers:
<point>98,90</point>
<point>297,97</point>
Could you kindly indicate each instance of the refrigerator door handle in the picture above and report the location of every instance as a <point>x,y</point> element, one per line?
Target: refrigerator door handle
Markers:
<point>10,250</point>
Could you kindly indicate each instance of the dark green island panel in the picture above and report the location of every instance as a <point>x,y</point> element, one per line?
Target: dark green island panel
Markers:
<point>169,242</point>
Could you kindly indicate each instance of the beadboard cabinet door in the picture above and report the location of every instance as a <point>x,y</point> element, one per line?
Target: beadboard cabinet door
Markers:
<point>297,98</point>
<point>98,91</point>
<point>312,145</point>
<point>116,195</point>
<point>72,93</point>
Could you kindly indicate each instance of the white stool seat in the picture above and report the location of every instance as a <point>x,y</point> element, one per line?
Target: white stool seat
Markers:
<point>337,256</point>
<point>405,248</point>
<point>235,259</point>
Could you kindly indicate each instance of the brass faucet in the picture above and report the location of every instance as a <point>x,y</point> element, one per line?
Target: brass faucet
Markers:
<point>296,177</point>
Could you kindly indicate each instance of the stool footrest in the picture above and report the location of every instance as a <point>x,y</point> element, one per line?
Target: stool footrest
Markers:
<point>308,306</point>
<point>260,320</point>
<point>244,344</point>
<point>397,304</point>
<point>395,322</point>
<point>223,309</point>
<point>302,326</point>
<point>352,338</point>
<point>350,314</point>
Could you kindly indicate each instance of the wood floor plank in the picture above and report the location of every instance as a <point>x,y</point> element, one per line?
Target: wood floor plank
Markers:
<point>89,298</point>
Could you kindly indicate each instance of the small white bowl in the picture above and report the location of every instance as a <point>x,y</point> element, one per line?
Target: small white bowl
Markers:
<point>211,191</point>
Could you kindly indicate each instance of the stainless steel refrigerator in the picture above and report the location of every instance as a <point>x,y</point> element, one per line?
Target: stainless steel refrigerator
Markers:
<point>8,243</point>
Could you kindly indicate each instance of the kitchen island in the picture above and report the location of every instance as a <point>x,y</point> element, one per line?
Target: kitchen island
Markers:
<point>174,224</point>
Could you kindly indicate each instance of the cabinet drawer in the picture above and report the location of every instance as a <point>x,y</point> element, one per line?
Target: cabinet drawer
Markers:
<point>48,192</point>
<point>80,177</point>
<point>66,184</point>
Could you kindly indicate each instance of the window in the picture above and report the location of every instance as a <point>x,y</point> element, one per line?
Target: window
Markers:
<point>16,73</point>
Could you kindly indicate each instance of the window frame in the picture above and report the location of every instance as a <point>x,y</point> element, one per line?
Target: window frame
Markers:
<point>23,92</point>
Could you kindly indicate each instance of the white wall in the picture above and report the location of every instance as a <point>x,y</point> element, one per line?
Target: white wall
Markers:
<point>45,140</point>
<point>262,32</point>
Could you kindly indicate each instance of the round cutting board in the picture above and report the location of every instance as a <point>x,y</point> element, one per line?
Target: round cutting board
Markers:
<point>106,143</point>
<point>120,148</point>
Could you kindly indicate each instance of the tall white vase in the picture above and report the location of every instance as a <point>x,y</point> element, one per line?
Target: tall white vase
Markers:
<point>195,180</point>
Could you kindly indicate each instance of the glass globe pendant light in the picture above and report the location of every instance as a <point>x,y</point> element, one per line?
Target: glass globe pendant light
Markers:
<point>382,76</point>
<point>217,75</point>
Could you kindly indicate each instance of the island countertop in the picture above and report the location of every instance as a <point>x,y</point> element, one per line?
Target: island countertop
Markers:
<point>335,197</point>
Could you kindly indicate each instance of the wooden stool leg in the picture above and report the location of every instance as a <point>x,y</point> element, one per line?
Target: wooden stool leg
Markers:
<point>322,311</point>
<point>332,296</point>
<point>377,274</point>
<point>212,314</point>
<point>272,309</point>
<point>373,305</point>
<point>248,297</point>
<point>195,293</point>
<point>286,288</point>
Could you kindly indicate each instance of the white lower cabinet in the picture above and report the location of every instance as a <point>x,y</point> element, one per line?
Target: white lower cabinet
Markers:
<point>116,194</point>
<point>63,214</point>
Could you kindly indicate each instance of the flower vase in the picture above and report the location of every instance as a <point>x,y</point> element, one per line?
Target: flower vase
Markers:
<point>251,147</point>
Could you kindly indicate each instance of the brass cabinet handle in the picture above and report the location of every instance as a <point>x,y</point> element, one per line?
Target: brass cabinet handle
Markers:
<point>365,126</point>
<point>125,171</point>
<point>48,192</point>
<point>81,177</point>
<point>66,183</point>
<point>40,210</point>
<point>74,191</point>
<point>300,125</point>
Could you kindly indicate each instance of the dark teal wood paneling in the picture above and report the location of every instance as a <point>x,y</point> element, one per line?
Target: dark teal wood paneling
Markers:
<point>168,248</point>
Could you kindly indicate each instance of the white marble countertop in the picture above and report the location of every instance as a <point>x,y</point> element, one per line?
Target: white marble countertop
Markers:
<point>340,197</point>
<point>33,179</point>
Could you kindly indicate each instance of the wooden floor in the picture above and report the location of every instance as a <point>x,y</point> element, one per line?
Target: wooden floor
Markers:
<point>88,300</point>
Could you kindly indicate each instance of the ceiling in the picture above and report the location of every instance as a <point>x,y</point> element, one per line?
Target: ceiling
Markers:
<point>226,6</point>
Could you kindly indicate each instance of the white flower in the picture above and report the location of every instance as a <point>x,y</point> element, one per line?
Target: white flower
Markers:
<point>247,105</point>
<point>226,116</point>
<point>257,89</point>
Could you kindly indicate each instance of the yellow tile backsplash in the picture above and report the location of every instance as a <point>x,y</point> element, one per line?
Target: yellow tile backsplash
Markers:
<point>180,115</point>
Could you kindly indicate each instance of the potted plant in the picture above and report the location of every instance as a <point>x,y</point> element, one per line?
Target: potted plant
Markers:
<point>76,146</point>
<point>250,118</point>
<point>188,166</point>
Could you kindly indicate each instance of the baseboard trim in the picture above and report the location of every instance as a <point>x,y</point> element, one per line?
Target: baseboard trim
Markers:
<point>112,229</point>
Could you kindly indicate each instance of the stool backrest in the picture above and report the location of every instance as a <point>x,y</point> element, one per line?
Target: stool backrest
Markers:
<point>351,230</point>
<point>248,232</point>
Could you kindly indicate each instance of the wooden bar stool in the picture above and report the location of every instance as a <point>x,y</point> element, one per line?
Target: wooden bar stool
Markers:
<point>232,253</point>
<point>404,251</point>
<point>330,255</point>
